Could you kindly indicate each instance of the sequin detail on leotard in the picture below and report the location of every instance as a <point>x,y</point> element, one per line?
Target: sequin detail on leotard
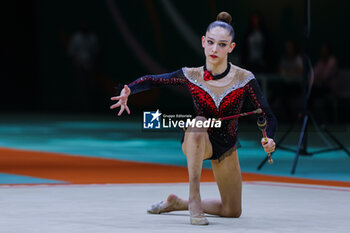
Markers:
<point>215,102</point>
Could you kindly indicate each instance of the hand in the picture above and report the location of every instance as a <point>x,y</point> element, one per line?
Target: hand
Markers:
<point>123,100</point>
<point>270,146</point>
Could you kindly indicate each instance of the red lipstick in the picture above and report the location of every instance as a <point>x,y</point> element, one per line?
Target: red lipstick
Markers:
<point>213,56</point>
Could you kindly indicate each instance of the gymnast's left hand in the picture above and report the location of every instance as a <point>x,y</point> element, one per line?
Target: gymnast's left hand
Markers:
<point>270,146</point>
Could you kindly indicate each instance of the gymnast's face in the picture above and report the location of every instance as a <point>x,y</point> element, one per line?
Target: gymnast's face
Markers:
<point>217,43</point>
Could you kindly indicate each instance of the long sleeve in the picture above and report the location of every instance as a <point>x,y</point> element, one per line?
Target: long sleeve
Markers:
<point>259,101</point>
<point>150,81</point>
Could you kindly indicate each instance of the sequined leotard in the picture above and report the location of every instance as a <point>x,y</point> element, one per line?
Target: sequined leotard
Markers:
<point>215,102</point>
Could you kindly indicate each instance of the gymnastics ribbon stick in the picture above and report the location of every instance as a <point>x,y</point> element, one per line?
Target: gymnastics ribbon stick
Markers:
<point>262,126</point>
<point>257,111</point>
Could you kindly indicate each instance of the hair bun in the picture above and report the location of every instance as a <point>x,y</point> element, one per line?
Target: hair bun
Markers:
<point>225,17</point>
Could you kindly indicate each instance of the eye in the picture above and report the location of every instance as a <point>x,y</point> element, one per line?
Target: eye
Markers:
<point>210,42</point>
<point>222,45</point>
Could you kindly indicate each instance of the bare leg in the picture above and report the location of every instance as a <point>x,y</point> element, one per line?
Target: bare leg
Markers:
<point>228,178</point>
<point>196,147</point>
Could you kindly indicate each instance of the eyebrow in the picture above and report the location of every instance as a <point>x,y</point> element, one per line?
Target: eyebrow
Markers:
<point>219,40</point>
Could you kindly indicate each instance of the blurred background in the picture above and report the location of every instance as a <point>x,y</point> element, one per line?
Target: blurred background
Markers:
<point>67,56</point>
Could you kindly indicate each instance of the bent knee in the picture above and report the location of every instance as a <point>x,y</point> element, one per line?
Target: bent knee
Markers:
<point>195,136</point>
<point>195,128</point>
<point>194,133</point>
<point>232,213</point>
<point>200,118</point>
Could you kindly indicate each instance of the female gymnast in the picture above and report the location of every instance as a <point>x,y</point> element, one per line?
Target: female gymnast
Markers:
<point>218,89</point>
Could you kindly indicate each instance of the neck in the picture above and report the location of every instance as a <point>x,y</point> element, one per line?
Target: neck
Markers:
<point>216,69</point>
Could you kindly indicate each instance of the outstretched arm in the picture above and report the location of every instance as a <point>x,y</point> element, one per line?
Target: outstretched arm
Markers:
<point>145,83</point>
<point>148,82</point>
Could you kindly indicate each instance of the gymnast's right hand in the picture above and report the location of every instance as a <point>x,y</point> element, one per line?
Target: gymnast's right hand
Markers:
<point>123,100</point>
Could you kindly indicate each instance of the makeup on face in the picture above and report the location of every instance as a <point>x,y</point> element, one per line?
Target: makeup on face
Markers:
<point>217,43</point>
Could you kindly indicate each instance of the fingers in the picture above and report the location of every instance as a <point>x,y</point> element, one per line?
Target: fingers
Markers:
<point>270,150</point>
<point>127,109</point>
<point>270,146</point>
<point>116,97</point>
<point>123,99</point>
<point>264,142</point>
<point>116,105</point>
<point>121,110</point>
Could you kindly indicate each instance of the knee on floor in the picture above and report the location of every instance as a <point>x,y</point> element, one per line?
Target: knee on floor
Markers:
<point>231,213</point>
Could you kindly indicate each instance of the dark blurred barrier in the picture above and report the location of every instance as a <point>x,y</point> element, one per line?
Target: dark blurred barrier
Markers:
<point>45,73</point>
<point>285,97</point>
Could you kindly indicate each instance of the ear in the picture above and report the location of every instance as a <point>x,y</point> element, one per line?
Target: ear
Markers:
<point>203,41</point>
<point>232,46</point>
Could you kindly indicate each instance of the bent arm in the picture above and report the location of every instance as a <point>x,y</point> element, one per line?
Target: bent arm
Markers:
<point>258,99</point>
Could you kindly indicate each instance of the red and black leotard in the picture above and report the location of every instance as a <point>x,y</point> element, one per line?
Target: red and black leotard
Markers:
<point>215,102</point>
